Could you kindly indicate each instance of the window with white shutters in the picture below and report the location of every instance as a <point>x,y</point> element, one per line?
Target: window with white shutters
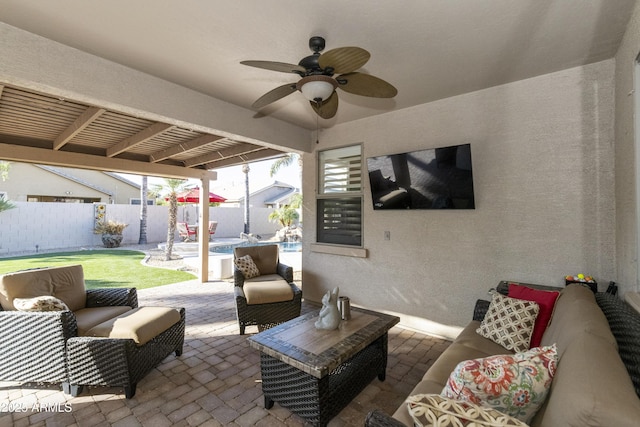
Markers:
<point>339,200</point>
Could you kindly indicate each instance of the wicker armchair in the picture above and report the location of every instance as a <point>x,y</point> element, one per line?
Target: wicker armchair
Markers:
<point>45,347</point>
<point>271,271</point>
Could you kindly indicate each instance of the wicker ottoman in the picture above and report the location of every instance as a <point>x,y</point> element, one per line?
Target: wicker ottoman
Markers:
<point>119,360</point>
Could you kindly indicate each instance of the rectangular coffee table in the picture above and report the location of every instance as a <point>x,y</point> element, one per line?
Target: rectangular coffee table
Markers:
<point>316,373</point>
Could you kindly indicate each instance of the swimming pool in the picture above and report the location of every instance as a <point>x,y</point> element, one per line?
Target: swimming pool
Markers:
<point>284,247</point>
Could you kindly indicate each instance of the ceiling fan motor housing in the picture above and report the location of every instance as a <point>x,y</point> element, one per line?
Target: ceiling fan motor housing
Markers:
<point>310,63</point>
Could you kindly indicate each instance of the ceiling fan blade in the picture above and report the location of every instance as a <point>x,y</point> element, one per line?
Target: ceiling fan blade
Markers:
<point>274,95</point>
<point>328,108</point>
<point>366,85</point>
<point>344,59</point>
<point>276,66</point>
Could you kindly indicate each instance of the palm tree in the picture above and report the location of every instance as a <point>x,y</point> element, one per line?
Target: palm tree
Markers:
<point>245,170</point>
<point>285,215</point>
<point>5,204</point>
<point>142,240</point>
<point>4,170</point>
<point>286,161</point>
<point>174,186</point>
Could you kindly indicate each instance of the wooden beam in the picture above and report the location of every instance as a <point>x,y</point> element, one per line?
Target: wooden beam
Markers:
<point>183,147</point>
<point>1,89</point>
<point>232,151</point>
<point>46,156</point>
<point>84,120</point>
<point>243,158</point>
<point>142,136</point>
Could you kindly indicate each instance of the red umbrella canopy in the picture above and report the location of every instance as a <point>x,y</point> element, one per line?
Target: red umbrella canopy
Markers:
<point>193,196</point>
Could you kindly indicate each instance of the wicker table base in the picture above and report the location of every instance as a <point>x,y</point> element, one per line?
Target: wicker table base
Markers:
<point>315,374</point>
<point>320,399</point>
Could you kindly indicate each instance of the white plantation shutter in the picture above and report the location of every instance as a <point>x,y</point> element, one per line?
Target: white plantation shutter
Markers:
<point>339,201</point>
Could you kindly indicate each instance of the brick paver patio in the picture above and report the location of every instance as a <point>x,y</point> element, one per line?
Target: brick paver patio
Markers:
<point>216,381</point>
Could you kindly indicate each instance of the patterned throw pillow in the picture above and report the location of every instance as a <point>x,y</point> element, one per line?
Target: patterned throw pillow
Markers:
<point>246,265</point>
<point>509,322</point>
<point>43,303</point>
<point>432,410</point>
<point>514,384</point>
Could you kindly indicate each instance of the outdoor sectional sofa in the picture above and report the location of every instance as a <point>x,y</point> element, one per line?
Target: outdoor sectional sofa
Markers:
<point>53,330</point>
<point>597,377</point>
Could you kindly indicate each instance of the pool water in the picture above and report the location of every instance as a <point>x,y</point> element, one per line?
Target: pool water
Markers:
<point>284,247</point>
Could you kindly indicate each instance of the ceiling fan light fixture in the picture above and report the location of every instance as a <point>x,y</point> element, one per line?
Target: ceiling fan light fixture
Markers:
<point>317,88</point>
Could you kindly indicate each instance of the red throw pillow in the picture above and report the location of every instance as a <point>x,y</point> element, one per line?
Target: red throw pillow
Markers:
<point>546,301</point>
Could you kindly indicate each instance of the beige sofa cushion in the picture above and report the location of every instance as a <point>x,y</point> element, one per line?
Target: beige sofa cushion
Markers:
<point>267,289</point>
<point>264,256</point>
<point>576,312</point>
<point>65,283</point>
<point>87,318</point>
<point>141,324</point>
<point>591,387</point>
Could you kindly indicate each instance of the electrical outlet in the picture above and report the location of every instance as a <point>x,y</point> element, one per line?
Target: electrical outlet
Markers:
<point>387,235</point>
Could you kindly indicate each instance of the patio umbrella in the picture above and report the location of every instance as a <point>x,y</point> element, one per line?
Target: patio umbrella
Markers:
<point>193,196</point>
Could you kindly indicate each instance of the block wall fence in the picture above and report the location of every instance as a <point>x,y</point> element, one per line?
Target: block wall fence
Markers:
<point>35,227</point>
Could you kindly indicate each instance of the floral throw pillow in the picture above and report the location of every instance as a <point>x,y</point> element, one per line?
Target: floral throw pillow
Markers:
<point>509,322</point>
<point>43,303</point>
<point>436,411</point>
<point>514,384</point>
<point>246,265</point>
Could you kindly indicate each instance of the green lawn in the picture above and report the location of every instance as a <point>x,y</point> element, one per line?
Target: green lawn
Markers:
<point>102,268</point>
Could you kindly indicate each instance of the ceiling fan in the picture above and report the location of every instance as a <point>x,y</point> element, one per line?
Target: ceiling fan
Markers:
<point>321,74</point>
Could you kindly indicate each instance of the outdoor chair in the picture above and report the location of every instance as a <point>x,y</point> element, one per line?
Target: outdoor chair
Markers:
<point>53,330</point>
<point>212,228</point>
<point>186,232</point>
<point>264,290</point>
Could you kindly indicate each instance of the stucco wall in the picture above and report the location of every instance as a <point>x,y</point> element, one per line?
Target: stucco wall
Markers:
<point>53,226</point>
<point>627,157</point>
<point>543,164</point>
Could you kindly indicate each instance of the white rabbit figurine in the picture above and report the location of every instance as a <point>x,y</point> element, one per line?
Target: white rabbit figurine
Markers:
<point>329,317</point>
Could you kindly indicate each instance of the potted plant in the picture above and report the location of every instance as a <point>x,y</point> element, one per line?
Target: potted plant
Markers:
<point>111,232</point>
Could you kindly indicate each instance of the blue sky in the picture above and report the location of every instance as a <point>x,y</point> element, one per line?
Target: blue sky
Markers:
<point>232,177</point>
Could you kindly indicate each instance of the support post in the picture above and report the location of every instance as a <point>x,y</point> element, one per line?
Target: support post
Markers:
<point>203,231</point>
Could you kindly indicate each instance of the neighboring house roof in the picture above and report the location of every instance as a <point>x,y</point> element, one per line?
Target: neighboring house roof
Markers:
<point>65,174</point>
<point>283,190</point>
<point>284,197</point>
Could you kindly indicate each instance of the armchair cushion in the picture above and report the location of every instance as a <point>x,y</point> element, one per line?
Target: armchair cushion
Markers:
<point>87,318</point>
<point>65,283</point>
<point>44,303</point>
<point>267,289</point>
<point>264,256</point>
<point>140,324</point>
<point>246,265</point>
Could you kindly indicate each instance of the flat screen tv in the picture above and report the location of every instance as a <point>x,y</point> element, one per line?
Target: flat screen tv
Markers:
<point>437,178</point>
